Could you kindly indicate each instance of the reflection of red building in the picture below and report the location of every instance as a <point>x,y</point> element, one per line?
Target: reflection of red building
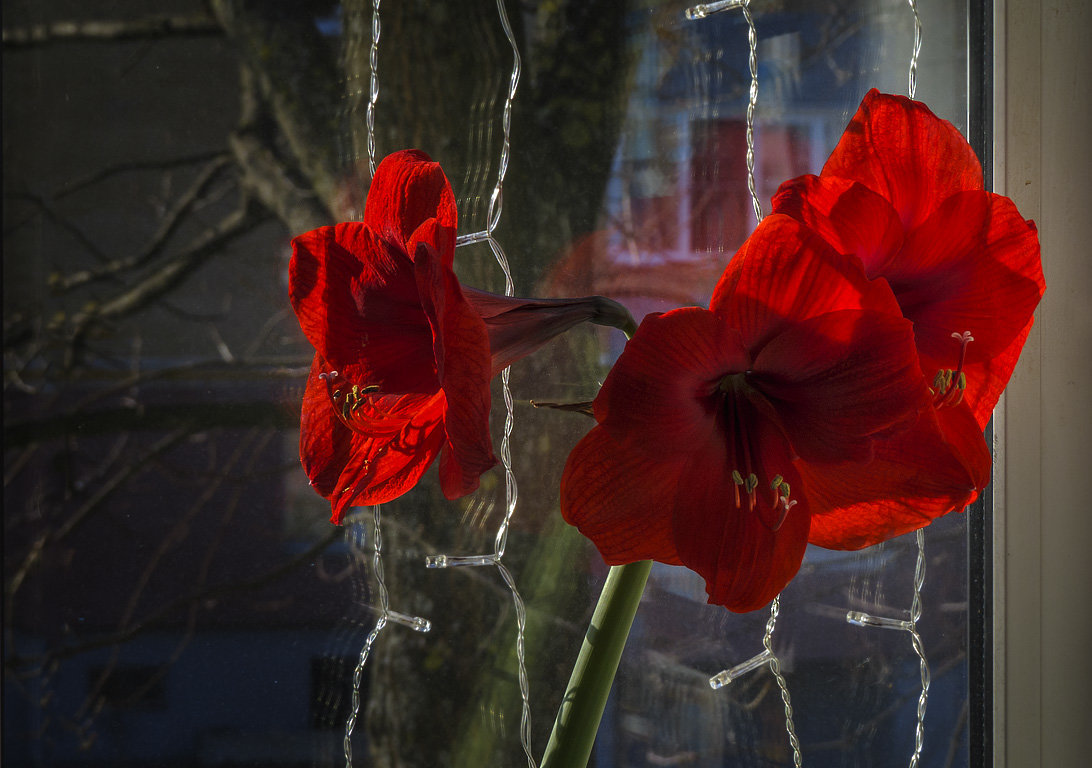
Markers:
<point>674,223</point>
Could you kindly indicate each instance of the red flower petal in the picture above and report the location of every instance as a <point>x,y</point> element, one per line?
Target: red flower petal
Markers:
<point>325,442</point>
<point>357,302</point>
<point>745,563</point>
<point>901,150</point>
<point>380,469</point>
<point>784,274</point>
<point>621,499</point>
<point>461,351</point>
<point>916,476</point>
<point>407,190</point>
<point>848,215</point>
<point>972,266</point>
<point>392,442</point>
<point>663,385</point>
<point>839,379</point>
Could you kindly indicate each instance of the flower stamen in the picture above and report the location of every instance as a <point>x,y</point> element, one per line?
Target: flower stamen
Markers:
<point>346,399</point>
<point>949,384</point>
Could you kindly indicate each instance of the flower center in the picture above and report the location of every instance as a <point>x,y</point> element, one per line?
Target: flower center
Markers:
<point>744,478</point>
<point>949,384</point>
<point>346,398</point>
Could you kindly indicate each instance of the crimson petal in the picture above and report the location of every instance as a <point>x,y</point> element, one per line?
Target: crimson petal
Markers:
<point>786,273</point>
<point>665,382</point>
<point>356,299</point>
<point>408,189</point>
<point>972,266</point>
<point>325,442</point>
<point>461,350</point>
<point>621,499</point>
<point>745,562</point>
<point>839,379</point>
<point>898,148</point>
<point>845,213</point>
<point>923,473</point>
<point>382,469</point>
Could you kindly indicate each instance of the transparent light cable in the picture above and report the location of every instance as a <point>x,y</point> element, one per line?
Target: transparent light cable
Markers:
<point>373,86</point>
<point>912,78</point>
<point>752,100</point>
<point>775,667</point>
<point>703,10</point>
<point>767,658</point>
<point>919,649</point>
<point>385,615</point>
<point>493,214</point>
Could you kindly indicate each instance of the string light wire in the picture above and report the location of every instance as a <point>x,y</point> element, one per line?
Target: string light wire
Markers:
<point>767,658</point>
<point>912,77</point>
<point>385,615</point>
<point>373,85</point>
<point>860,618</point>
<point>511,488</point>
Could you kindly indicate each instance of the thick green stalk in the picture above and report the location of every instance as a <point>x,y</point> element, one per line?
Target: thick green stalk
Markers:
<point>581,709</point>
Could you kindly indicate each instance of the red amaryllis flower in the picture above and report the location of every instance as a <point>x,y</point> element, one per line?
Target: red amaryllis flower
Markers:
<point>404,356</point>
<point>903,191</point>
<point>708,417</point>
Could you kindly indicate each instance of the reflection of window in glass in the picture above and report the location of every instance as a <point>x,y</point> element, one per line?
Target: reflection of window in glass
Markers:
<point>720,206</point>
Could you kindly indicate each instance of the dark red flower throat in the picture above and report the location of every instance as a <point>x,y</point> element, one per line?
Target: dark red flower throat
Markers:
<point>742,406</point>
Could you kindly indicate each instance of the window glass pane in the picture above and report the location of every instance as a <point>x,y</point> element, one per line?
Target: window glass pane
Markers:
<point>174,592</point>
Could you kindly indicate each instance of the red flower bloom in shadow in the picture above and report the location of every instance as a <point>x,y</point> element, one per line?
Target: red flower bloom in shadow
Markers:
<point>903,191</point>
<point>708,418</point>
<point>403,355</point>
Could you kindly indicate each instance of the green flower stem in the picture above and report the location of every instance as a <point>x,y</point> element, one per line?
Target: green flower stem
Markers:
<point>581,709</point>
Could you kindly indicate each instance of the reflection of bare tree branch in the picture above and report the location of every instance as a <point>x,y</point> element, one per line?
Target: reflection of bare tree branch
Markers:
<point>194,597</point>
<point>245,368</point>
<point>151,418</point>
<point>264,175</point>
<point>251,445</point>
<point>166,277</point>
<point>134,165</point>
<point>12,471</point>
<point>55,216</point>
<point>295,75</point>
<point>865,727</point>
<point>112,30</point>
<point>106,490</point>
<point>167,227</point>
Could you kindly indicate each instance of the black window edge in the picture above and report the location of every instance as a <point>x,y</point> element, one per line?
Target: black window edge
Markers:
<point>980,648</point>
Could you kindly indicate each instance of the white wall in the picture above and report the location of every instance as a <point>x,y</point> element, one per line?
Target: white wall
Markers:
<point>1043,536</point>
